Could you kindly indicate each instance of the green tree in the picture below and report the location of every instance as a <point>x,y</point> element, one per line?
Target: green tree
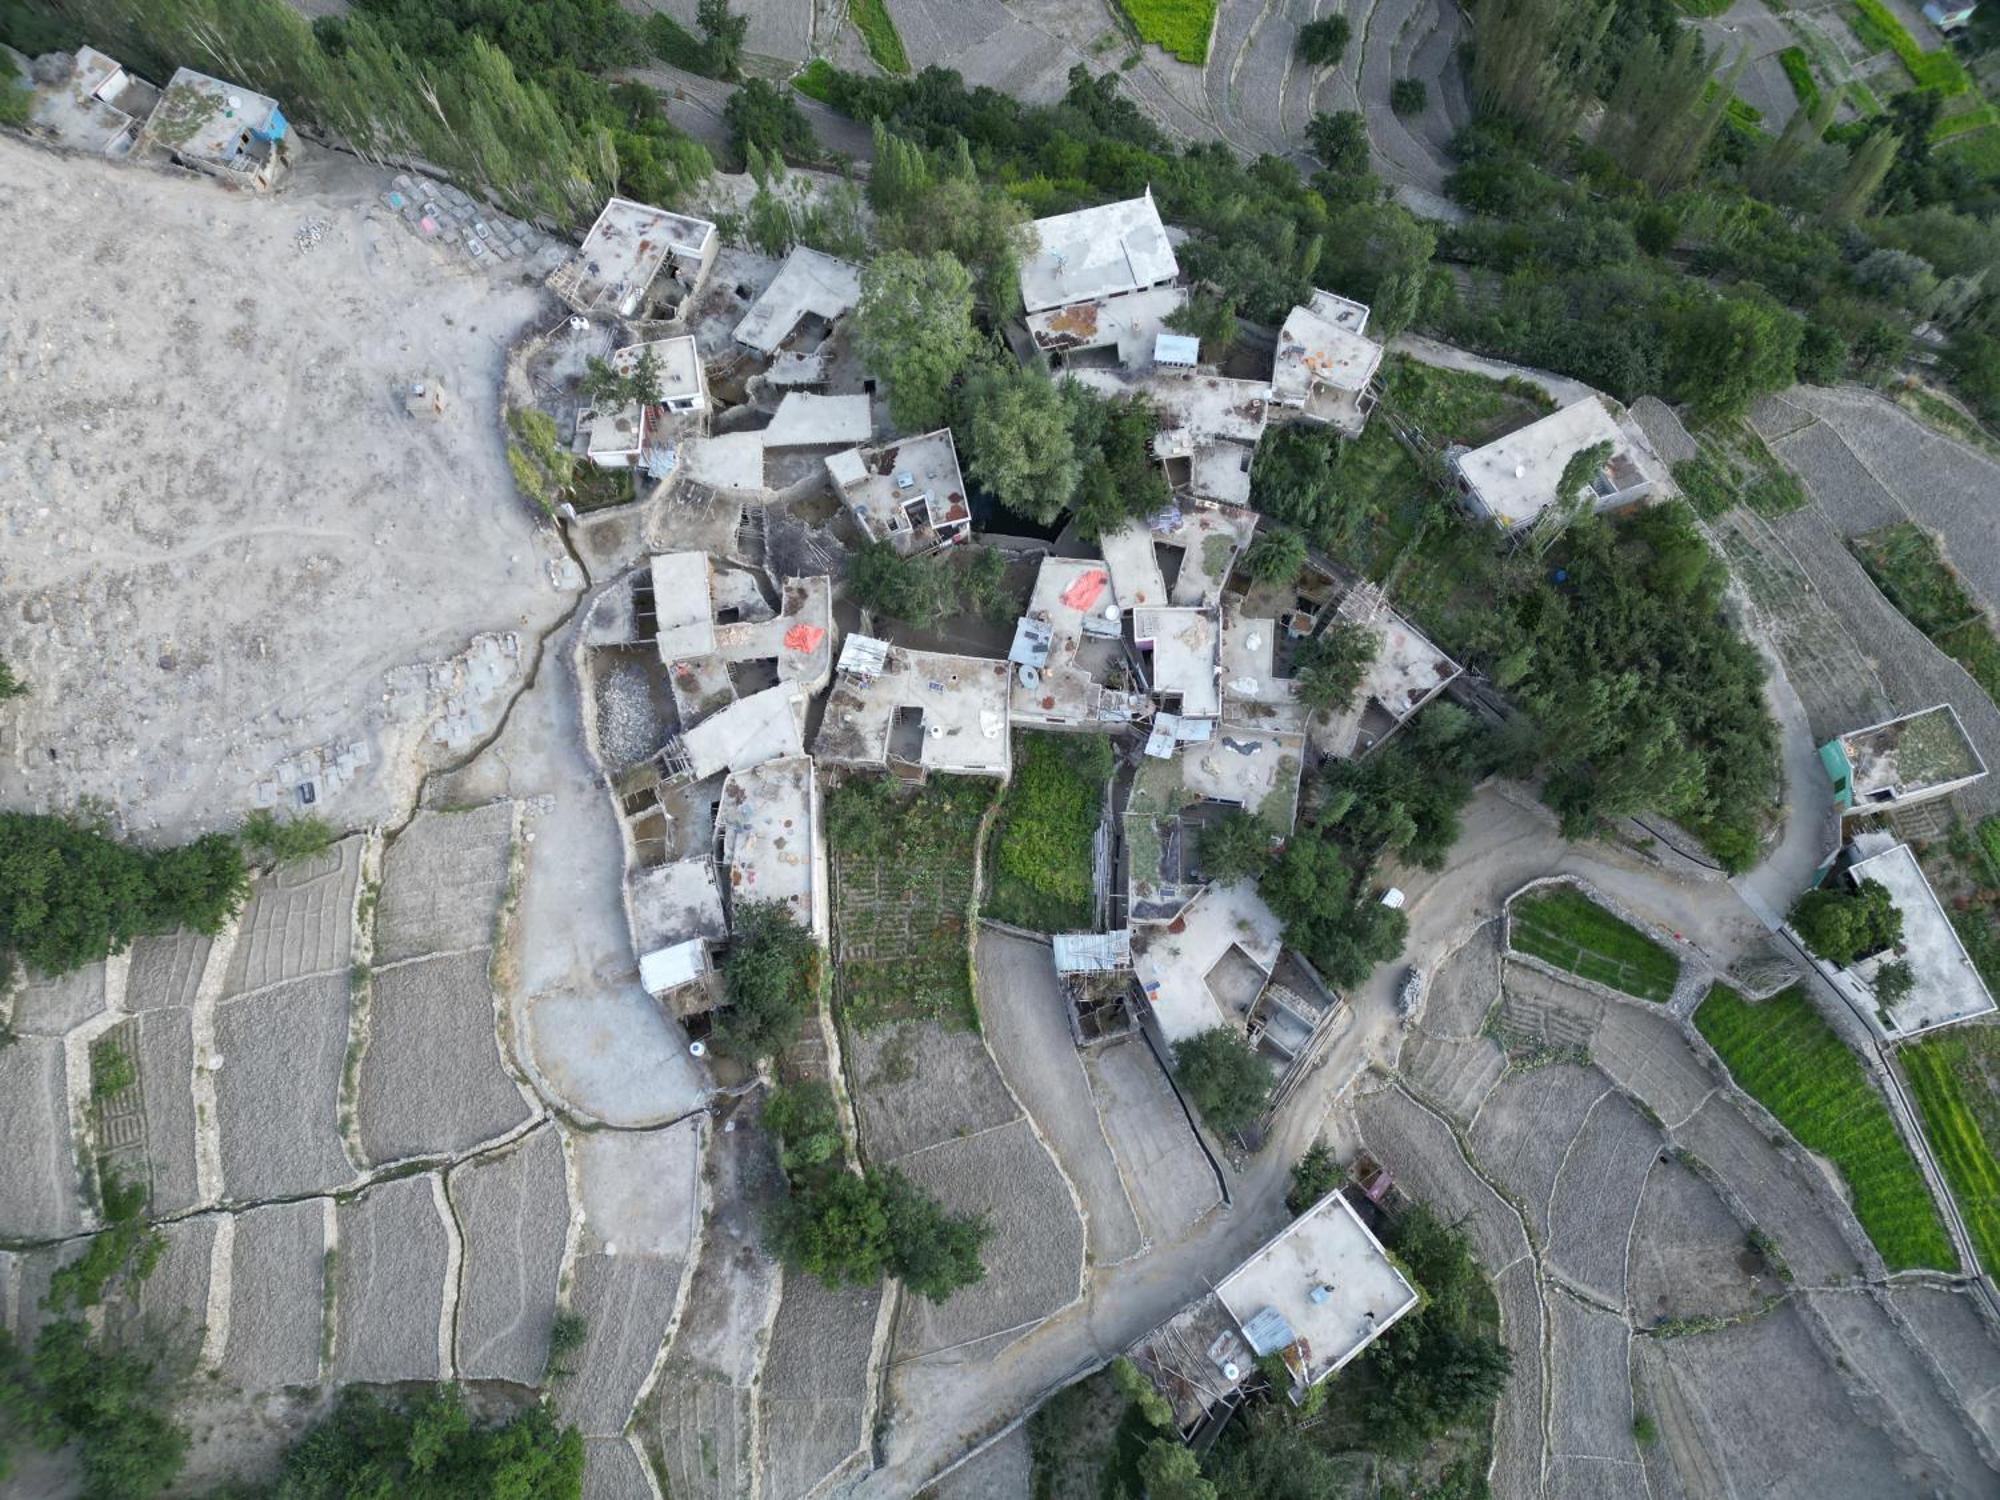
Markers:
<point>1136,1388</point>
<point>1724,352</point>
<point>1866,168</point>
<point>1324,42</point>
<point>1409,96</point>
<point>1329,913</point>
<point>427,1447</point>
<point>1234,846</point>
<point>1276,556</point>
<point>770,980</point>
<point>1573,496</point>
<point>806,1122</point>
<point>1842,925</point>
<point>1170,1471</point>
<point>285,841</point>
<point>722,33</point>
<point>1894,980</point>
<point>1340,140</point>
<point>914,330</point>
<point>884,581</point>
<point>11,686</point>
<point>1329,668</point>
<point>107,1399</point>
<point>1314,1175</point>
<point>1428,1378</point>
<point>766,116</point>
<point>932,1252</point>
<point>1015,425</point>
<point>1228,1082</point>
<point>1212,320</point>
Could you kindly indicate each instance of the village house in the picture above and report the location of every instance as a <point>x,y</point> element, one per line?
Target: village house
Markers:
<point>909,492</point>
<point>1210,426</point>
<point>616,271</point>
<point>629,434</point>
<point>1095,254</point>
<point>89,102</point>
<point>1901,762</point>
<point>1513,479</point>
<point>811,292</point>
<point>914,712</point>
<point>1125,329</point>
<point>1325,363</point>
<point>1069,648</point>
<point>768,824</point>
<point>219,128</point>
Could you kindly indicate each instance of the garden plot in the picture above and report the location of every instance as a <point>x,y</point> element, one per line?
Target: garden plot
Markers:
<point>1690,1257</point>
<point>172,1303</point>
<point>815,1399</point>
<point>1540,1012</point>
<point>1517,1424</point>
<point>513,1215</point>
<point>641,1189</point>
<point>1527,1127</point>
<point>1646,1055</point>
<point>1456,1074</point>
<point>442,882</point>
<point>1166,1174</point>
<point>1418,1147</point>
<point>1591,1413</point>
<point>995,46</point>
<point>1026,1023</point>
<point>165,972</point>
<point>38,1192</point>
<point>917,1083</point>
<point>277,1093</point>
<point>1596,1196</point>
<point>613,1471</point>
<point>1754,1171</point>
<point>1964,1345</point>
<point>1854,499</point>
<point>164,1048</point>
<point>1036,1256</point>
<point>298,921</point>
<point>1870,1345</point>
<point>52,1007</point>
<point>1796,1435</point>
<point>627,1303</point>
<point>1562,926</point>
<point>277,1294</point>
<point>395,1250</point>
<point>432,1080</point>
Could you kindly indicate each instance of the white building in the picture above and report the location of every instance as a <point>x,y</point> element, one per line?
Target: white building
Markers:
<point>1325,362</point>
<point>625,435</point>
<point>613,272</point>
<point>909,492</point>
<point>811,291</point>
<point>219,128</point>
<point>913,712</point>
<point>1096,253</point>
<point>1513,479</point>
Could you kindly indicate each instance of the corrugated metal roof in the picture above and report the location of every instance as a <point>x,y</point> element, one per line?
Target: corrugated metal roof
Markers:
<point>1092,952</point>
<point>1177,349</point>
<point>864,655</point>
<point>667,969</point>
<point>1268,1332</point>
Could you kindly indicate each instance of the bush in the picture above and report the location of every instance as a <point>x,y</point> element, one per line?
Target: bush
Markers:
<point>1324,42</point>
<point>770,979</point>
<point>1409,96</point>
<point>285,841</point>
<point>765,117</point>
<point>10,685</point>
<point>1329,668</point>
<point>885,582</point>
<point>847,1228</point>
<point>1043,870</point>
<point>806,1122</point>
<point>1314,1175</point>
<point>1237,844</point>
<point>427,1447</point>
<point>1841,925</point>
<point>1228,1082</point>
<point>1276,556</point>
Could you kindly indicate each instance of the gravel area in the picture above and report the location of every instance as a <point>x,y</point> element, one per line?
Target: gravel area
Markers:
<point>1963,1344</point>
<point>814,1398</point>
<point>642,1189</point>
<point>1035,1257</point>
<point>394,1254</point>
<point>277,1294</point>
<point>1026,1024</point>
<point>917,1083</point>
<point>1690,1258</point>
<point>513,1214</point>
<point>612,1471</point>
<point>442,881</point>
<point>1796,1436</point>
<point>51,1007</point>
<point>431,1077</point>
<point>165,1049</point>
<point>1526,1129</point>
<point>165,971</point>
<point>1166,1175</point>
<point>277,1095</point>
<point>299,920</point>
<point>38,1192</point>
<point>1591,1414</point>
<point>173,1301</point>
<point>627,1302</point>
<point>1770,1189</point>
<point>1647,1055</point>
<point>1870,1344</point>
<point>1596,1196</point>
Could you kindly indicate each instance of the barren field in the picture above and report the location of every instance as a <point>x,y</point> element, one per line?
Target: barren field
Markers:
<point>299,920</point>
<point>442,881</point>
<point>278,1267</point>
<point>815,1398</point>
<point>627,1302</point>
<point>38,1193</point>
<point>227,544</point>
<point>391,1282</point>
<point>277,1094</point>
<point>165,971</point>
<point>513,1211</point>
<point>50,1007</point>
<point>1169,1180</point>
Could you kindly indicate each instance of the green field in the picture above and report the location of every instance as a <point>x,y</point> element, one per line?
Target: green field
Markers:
<point>1785,1056</point>
<point>1877,27</point>
<point>1181,26</point>
<point>879,35</point>
<point>1956,1079</point>
<point>1039,873</point>
<point>1562,926</point>
<point>1907,566</point>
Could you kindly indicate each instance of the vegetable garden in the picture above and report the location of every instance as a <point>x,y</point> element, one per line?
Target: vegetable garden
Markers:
<point>1956,1080</point>
<point>1564,927</point>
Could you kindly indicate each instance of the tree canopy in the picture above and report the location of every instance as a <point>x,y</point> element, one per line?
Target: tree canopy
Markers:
<point>1842,924</point>
<point>770,979</point>
<point>1229,1083</point>
<point>914,329</point>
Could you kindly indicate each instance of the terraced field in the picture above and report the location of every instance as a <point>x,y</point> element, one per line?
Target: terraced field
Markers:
<point>1785,1056</point>
<point>1564,927</point>
<point>1954,1078</point>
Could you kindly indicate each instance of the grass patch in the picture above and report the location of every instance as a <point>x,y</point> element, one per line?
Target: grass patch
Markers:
<point>1039,873</point>
<point>1705,9</point>
<point>1564,927</point>
<point>879,35</point>
<point>1938,71</point>
<point>1908,567</point>
<point>1979,151</point>
<point>1798,73</point>
<point>815,80</point>
<point>904,898</point>
<point>1934,411</point>
<point>1736,466</point>
<point>1182,27</point>
<point>1956,1078</point>
<point>1785,1056</point>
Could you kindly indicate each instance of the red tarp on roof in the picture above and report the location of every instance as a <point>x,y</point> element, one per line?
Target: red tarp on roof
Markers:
<point>804,638</point>
<point>1085,591</point>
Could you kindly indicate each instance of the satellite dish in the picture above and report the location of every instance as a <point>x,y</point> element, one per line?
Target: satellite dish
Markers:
<point>1230,1370</point>
<point>697,1049</point>
<point>1520,471</point>
<point>235,102</point>
<point>1110,611</point>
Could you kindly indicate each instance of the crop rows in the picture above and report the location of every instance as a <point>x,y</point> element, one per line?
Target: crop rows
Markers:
<point>1566,928</point>
<point>1950,1086</point>
<point>1785,1056</point>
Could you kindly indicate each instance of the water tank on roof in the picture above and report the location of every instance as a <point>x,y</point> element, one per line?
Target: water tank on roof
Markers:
<point>1031,677</point>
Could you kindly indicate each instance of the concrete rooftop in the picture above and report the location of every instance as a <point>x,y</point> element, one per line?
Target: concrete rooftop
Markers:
<point>1097,252</point>
<point>1072,639</point>
<point>1184,646</point>
<point>1129,323</point>
<point>683,605</point>
<point>1909,758</point>
<point>1515,477</point>
<point>1256,768</point>
<point>1173,963</point>
<point>808,284</point>
<point>673,903</point>
<point>624,252</point>
<point>206,118</point>
<point>1948,988</point>
<point>943,713</point>
<point>1407,672</point>
<point>764,726</point>
<point>769,822</point>
<point>909,492</point>
<point>804,420</point>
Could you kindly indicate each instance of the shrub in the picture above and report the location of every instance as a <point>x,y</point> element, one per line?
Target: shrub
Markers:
<point>1409,96</point>
<point>1043,871</point>
<point>10,685</point>
<point>1324,42</point>
<point>806,1122</point>
<point>1235,845</point>
<point>285,841</point>
<point>1314,1175</point>
<point>1228,1082</point>
<point>855,1229</point>
<point>428,1445</point>
<point>1328,669</point>
<point>1276,556</point>
<point>770,978</point>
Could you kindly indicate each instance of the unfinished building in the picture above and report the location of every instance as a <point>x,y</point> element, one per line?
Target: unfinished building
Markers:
<point>89,102</point>
<point>1513,479</point>
<point>1324,368</point>
<point>1210,426</point>
<point>811,292</point>
<point>619,434</point>
<point>1110,250</point>
<point>1901,762</point>
<point>909,493</point>
<point>219,128</point>
<point>1407,671</point>
<point>616,271</point>
<point>1100,993</point>
<point>769,829</point>
<point>914,712</point>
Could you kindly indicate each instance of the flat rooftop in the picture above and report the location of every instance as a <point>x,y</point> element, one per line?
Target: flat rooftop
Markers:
<point>1184,644</point>
<point>909,492</point>
<point>1068,643</point>
<point>807,284</point>
<point>629,428</point>
<point>1174,962</point>
<point>943,713</point>
<point>1252,691</point>
<point>770,841</point>
<point>1905,759</point>
<point>1097,252</point>
<point>1948,987</point>
<point>799,638</point>
<point>1326,1281</point>
<point>683,605</point>
<point>1407,672</point>
<point>207,118</point>
<point>676,902</point>
<point>1130,323</point>
<point>1209,423</point>
<point>624,251</point>
<point>1323,344</point>
<point>99,107</point>
<point>1256,768</point>
<point>764,726</point>
<point>804,420</point>
<point>1136,579</point>
<point>1516,476</point>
